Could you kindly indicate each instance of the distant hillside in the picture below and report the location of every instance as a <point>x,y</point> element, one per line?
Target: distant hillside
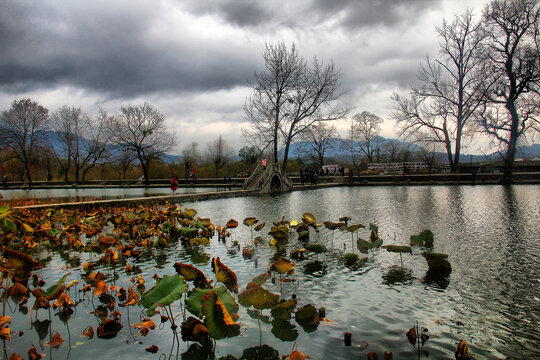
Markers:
<point>338,151</point>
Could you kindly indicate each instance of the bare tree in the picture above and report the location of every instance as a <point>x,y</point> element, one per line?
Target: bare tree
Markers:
<point>367,128</point>
<point>190,156</point>
<point>23,128</point>
<point>123,159</point>
<point>514,74</point>
<point>443,108</point>
<point>352,147</point>
<point>290,97</point>
<point>141,130</point>
<point>320,139</point>
<point>83,140</point>
<point>219,153</point>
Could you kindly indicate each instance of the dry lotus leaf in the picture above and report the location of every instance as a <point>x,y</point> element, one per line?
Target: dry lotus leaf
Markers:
<point>462,351</point>
<point>153,349</point>
<point>5,333</point>
<point>188,271</point>
<point>33,354</point>
<point>224,275</point>
<point>250,221</point>
<point>282,266</point>
<point>297,355</point>
<point>89,333</point>
<point>55,341</point>
<point>132,298</point>
<point>15,356</point>
<point>17,289</point>
<point>63,300</point>
<point>5,320</point>
<point>148,324</point>
<point>101,288</point>
<point>108,329</point>
<point>411,335</point>
<point>231,224</point>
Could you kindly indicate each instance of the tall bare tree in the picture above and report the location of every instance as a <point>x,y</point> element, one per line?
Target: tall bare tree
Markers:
<point>514,74</point>
<point>22,129</point>
<point>219,153</point>
<point>442,109</point>
<point>367,128</point>
<point>320,139</point>
<point>142,131</point>
<point>290,97</point>
<point>190,157</point>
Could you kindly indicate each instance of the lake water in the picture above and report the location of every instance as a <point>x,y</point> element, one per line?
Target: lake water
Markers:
<point>491,299</point>
<point>79,194</point>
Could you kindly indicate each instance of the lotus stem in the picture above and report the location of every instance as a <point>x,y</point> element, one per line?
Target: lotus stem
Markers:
<point>260,329</point>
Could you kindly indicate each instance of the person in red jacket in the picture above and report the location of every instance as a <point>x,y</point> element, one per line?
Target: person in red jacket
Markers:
<point>174,184</point>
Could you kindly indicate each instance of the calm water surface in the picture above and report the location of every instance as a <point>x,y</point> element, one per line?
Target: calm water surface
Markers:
<point>491,299</point>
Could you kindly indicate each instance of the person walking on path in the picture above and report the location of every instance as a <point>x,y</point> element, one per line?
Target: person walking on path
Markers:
<point>263,163</point>
<point>174,184</point>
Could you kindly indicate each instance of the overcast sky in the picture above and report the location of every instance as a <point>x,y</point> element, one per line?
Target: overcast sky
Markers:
<point>194,59</point>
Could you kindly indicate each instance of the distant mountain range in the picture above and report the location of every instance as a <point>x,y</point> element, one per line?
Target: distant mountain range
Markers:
<point>338,150</point>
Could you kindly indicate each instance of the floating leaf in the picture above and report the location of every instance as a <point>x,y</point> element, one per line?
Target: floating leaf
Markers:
<point>169,289</point>
<point>250,221</point>
<point>425,238</point>
<point>411,335</point>
<point>108,329</point>
<point>224,275</point>
<point>282,266</point>
<point>216,317</point>
<point>193,302</point>
<point>462,351</point>
<point>259,298</point>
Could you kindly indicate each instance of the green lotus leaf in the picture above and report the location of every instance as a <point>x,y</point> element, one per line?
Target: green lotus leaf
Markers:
<point>256,314</point>
<point>51,290</point>
<point>200,241</point>
<point>279,232</point>
<point>193,302</point>
<point>303,235</point>
<point>398,248</point>
<point>284,310</point>
<point>189,213</point>
<point>425,238</point>
<point>374,228</point>
<point>250,221</point>
<point>259,298</point>
<point>354,227</point>
<point>434,255</point>
<point>284,330</point>
<point>316,248</point>
<point>169,289</point>
<point>377,243</point>
<point>351,258</point>
<point>260,279</point>
<point>217,319</point>
<point>363,245</point>
<point>189,232</point>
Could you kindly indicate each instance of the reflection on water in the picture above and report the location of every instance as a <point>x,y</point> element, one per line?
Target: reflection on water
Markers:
<point>102,193</point>
<point>491,299</point>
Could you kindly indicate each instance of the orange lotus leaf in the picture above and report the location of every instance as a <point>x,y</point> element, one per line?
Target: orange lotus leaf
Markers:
<point>132,298</point>
<point>62,300</point>
<point>5,320</point>
<point>17,289</point>
<point>55,341</point>
<point>148,324</point>
<point>33,354</point>
<point>282,266</point>
<point>89,333</point>
<point>295,355</point>
<point>101,288</point>
<point>5,333</point>
<point>15,356</point>
<point>224,275</point>
<point>231,224</point>
<point>107,241</point>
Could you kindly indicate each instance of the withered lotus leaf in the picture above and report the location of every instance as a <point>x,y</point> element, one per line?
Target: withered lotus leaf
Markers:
<point>462,351</point>
<point>260,279</point>
<point>17,289</point>
<point>193,329</point>
<point>62,300</point>
<point>132,298</point>
<point>259,298</point>
<point>259,227</point>
<point>108,329</point>
<point>388,355</point>
<point>398,248</point>
<point>307,315</point>
<point>193,302</point>
<point>224,275</point>
<point>217,319</point>
<point>41,303</point>
<point>424,338</point>
<point>169,289</point>
<point>331,225</point>
<point>231,224</point>
<point>5,333</point>
<point>411,335</point>
<point>188,271</point>
<point>5,320</point>
<point>89,333</point>
<point>19,261</point>
<point>297,355</point>
<point>56,341</point>
<point>147,324</point>
<point>282,266</point>
<point>354,227</point>
<point>250,221</point>
<point>372,355</point>
<point>15,356</point>
<point>107,241</point>
<point>33,354</point>
<point>101,288</point>
<point>309,219</point>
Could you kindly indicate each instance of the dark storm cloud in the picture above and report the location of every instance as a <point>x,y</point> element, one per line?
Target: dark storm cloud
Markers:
<point>108,48</point>
<point>240,13</point>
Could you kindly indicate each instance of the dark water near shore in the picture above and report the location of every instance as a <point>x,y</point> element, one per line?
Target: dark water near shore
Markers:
<point>491,299</point>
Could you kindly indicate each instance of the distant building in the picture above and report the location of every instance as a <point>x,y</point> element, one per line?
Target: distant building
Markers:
<point>398,167</point>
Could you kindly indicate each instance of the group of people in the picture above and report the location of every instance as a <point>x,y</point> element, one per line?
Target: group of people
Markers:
<point>309,175</point>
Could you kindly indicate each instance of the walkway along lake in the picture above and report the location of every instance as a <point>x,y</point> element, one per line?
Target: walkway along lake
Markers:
<point>490,299</point>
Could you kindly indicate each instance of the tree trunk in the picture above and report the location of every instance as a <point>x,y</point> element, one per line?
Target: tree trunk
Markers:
<point>512,143</point>
<point>286,155</point>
